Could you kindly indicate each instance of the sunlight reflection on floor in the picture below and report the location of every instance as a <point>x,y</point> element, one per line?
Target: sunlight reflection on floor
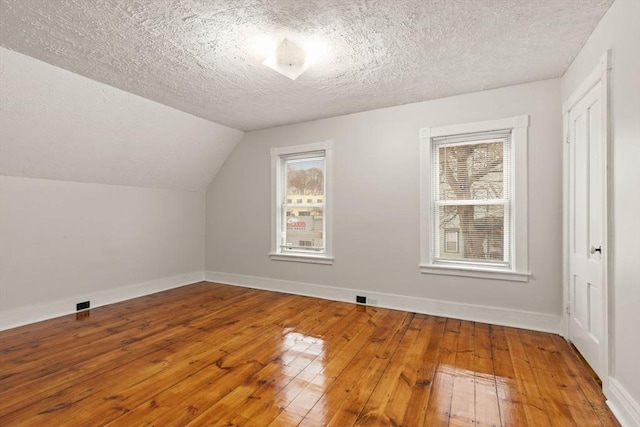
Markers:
<point>303,365</point>
<point>467,394</point>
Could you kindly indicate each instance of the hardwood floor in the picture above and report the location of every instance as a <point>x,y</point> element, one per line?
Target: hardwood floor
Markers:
<point>210,354</point>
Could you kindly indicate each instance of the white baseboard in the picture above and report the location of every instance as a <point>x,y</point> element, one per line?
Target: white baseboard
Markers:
<point>494,315</point>
<point>624,407</point>
<point>36,313</point>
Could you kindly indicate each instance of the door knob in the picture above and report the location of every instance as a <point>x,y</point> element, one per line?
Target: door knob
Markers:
<point>594,249</point>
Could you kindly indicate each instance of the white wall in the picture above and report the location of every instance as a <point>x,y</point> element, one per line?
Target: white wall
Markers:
<point>66,242</point>
<point>102,192</point>
<point>620,30</point>
<point>376,209</point>
<point>58,125</point>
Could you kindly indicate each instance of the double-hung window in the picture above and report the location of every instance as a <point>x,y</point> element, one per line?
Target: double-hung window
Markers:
<point>301,177</point>
<point>474,200</point>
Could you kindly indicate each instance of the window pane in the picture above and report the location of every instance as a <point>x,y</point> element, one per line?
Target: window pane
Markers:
<point>471,171</point>
<point>452,240</point>
<point>303,229</point>
<point>472,233</point>
<point>305,177</point>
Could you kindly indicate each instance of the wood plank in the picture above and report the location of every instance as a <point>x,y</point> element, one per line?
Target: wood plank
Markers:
<point>262,391</point>
<point>554,402</point>
<point>64,402</point>
<point>337,347</point>
<point>573,387</point>
<point>512,411</point>
<point>528,391</point>
<point>389,401</point>
<point>299,349</point>
<point>384,328</point>
<point>102,321</point>
<point>57,391</point>
<point>210,354</point>
<point>463,399</point>
<point>585,378</point>
<point>424,368</point>
<point>487,410</point>
<point>77,350</point>
<point>241,357</point>
<point>348,394</point>
<point>439,404</point>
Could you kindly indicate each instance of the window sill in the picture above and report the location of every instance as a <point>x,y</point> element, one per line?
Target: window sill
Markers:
<point>485,273</point>
<point>311,259</point>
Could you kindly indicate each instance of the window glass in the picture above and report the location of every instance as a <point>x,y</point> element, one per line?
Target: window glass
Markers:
<point>472,198</point>
<point>303,221</point>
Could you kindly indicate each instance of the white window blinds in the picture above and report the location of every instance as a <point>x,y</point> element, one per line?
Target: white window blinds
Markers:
<point>472,198</point>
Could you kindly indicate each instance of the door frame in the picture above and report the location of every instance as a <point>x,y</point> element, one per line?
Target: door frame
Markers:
<point>601,73</point>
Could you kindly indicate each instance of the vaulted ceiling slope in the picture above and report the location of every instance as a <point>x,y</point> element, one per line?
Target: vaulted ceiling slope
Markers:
<point>55,124</point>
<point>200,57</point>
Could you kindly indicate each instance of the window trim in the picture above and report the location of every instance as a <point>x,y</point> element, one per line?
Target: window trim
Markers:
<point>277,153</point>
<point>519,270</point>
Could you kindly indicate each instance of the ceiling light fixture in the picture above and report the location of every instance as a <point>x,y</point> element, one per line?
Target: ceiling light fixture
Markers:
<point>291,59</point>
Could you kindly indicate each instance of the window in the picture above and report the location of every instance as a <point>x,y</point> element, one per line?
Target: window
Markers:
<point>301,230</point>
<point>474,201</point>
<point>471,192</point>
<point>451,241</point>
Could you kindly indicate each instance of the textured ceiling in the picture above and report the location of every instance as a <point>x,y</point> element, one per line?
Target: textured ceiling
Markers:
<point>200,56</point>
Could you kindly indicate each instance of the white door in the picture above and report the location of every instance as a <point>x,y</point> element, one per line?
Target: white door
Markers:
<point>587,213</point>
